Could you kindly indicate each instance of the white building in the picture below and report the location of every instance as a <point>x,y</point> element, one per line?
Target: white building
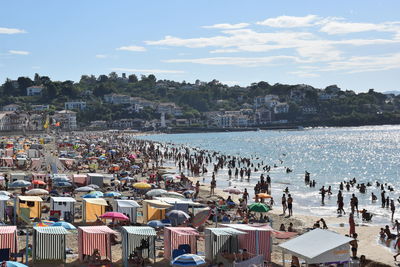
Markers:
<point>11,107</point>
<point>34,90</point>
<point>117,99</point>
<point>40,107</point>
<point>281,108</point>
<point>78,105</point>
<point>67,119</point>
<point>268,100</point>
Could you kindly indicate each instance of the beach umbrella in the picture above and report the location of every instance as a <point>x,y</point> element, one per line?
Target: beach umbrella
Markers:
<point>62,184</point>
<point>94,194</point>
<point>173,194</point>
<point>37,192</point>
<point>264,195</point>
<point>94,186</point>
<point>61,179</point>
<point>5,193</point>
<point>84,189</point>
<point>155,192</point>
<point>188,260</point>
<point>136,167</point>
<point>43,223</point>
<point>233,190</point>
<point>19,184</point>
<point>177,216</point>
<point>112,194</point>
<point>38,182</point>
<point>141,185</point>
<point>115,216</point>
<point>15,264</point>
<point>66,225</point>
<point>156,224</point>
<point>201,217</point>
<point>258,207</point>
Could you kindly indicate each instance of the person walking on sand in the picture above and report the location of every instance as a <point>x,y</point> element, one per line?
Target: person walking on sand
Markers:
<point>284,207</point>
<point>354,246</point>
<point>290,205</point>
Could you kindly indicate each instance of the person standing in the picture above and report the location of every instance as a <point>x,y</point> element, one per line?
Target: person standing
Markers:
<point>284,207</point>
<point>354,246</point>
<point>352,225</point>
<point>392,208</point>
<point>397,245</point>
<point>290,205</point>
<point>213,185</point>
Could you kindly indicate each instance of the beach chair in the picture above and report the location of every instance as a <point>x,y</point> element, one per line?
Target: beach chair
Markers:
<point>177,253</point>
<point>4,254</point>
<point>186,248</point>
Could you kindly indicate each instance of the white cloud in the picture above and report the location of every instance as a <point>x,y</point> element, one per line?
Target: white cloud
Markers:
<point>133,48</point>
<point>238,61</point>
<point>365,63</point>
<point>227,26</point>
<point>304,74</point>
<point>224,51</point>
<point>101,56</point>
<point>149,71</point>
<point>340,27</point>
<point>18,52</point>
<point>11,31</point>
<point>289,21</point>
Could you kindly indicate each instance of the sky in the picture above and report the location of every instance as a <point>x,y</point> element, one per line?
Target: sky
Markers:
<point>354,44</point>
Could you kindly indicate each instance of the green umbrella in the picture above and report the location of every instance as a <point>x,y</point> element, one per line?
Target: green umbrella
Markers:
<point>258,207</point>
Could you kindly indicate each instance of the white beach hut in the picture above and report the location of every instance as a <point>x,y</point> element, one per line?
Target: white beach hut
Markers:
<point>319,247</point>
<point>65,205</point>
<point>127,207</point>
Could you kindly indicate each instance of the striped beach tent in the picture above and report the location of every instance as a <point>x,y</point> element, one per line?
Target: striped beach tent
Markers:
<point>175,236</point>
<point>49,243</point>
<point>94,237</point>
<point>257,240</point>
<point>8,238</point>
<point>127,207</point>
<point>219,240</point>
<point>132,240</point>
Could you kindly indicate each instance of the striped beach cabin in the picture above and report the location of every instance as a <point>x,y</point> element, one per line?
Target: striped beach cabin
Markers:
<point>176,236</point>
<point>257,240</point>
<point>127,207</point>
<point>8,240</point>
<point>3,205</point>
<point>94,237</point>
<point>218,240</point>
<point>49,243</point>
<point>66,207</point>
<point>92,208</point>
<point>132,240</point>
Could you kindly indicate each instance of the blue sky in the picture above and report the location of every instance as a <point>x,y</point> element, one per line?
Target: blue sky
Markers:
<point>354,44</point>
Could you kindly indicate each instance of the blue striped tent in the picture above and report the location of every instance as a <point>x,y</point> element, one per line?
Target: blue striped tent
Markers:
<point>132,237</point>
<point>49,243</point>
<point>218,240</point>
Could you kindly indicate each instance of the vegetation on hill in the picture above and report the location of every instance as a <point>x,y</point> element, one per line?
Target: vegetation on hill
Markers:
<point>329,106</point>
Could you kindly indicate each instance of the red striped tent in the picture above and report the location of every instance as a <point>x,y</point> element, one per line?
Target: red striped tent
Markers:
<point>8,238</point>
<point>94,237</point>
<point>175,236</point>
<point>257,239</point>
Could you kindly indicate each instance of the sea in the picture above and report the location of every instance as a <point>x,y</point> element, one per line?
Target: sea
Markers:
<point>330,155</point>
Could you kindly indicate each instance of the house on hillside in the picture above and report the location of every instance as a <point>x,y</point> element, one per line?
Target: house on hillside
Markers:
<point>117,99</point>
<point>34,90</point>
<point>40,107</point>
<point>66,118</point>
<point>12,107</point>
<point>281,108</point>
<point>78,105</point>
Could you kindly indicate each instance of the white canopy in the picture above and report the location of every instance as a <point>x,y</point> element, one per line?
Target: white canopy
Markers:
<point>127,203</point>
<point>63,199</point>
<point>319,246</point>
